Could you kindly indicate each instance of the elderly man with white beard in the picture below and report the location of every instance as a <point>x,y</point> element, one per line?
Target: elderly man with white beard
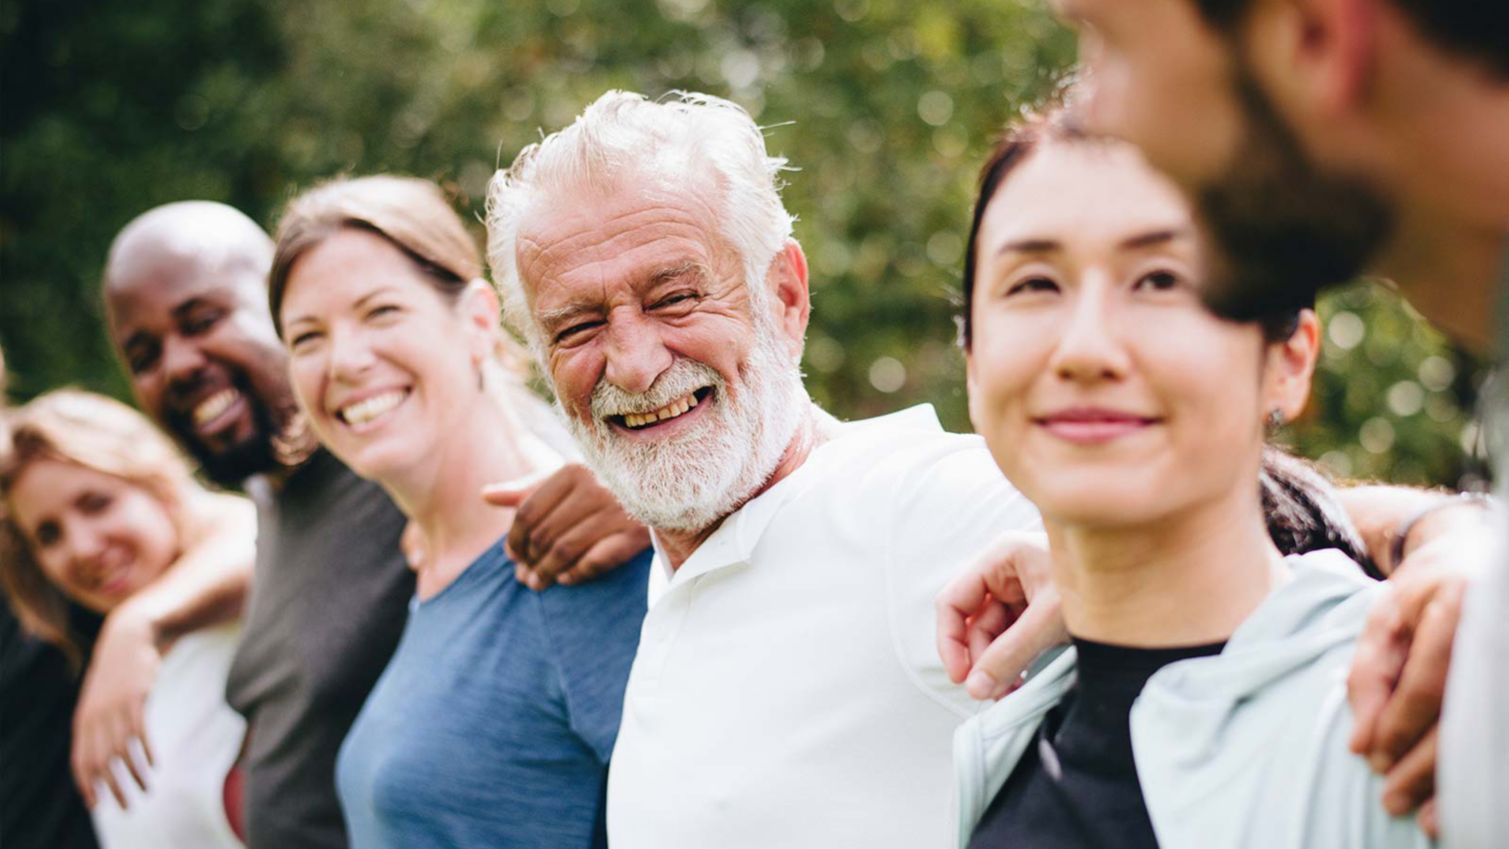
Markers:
<point>787,691</point>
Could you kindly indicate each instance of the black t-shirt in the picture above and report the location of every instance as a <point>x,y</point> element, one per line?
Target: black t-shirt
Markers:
<point>39,805</point>
<point>1076,785</point>
<point>328,604</point>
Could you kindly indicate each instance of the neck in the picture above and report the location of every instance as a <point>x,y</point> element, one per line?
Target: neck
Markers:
<point>1180,581</point>
<point>443,498</point>
<point>814,429</point>
<point>1448,167</point>
<point>1447,270</point>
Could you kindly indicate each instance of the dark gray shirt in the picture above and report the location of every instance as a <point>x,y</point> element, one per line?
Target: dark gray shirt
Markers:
<point>327,606</point>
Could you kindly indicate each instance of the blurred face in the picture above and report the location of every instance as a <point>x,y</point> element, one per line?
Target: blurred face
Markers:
<point>204,360</point>
<point>98,538</point>
<point>683,392</point>
<point>1105,390</point>
<point>1161,77</point>
<point>383,365</point>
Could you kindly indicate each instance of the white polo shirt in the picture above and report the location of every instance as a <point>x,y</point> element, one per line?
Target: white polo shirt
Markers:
<point>787,692</point>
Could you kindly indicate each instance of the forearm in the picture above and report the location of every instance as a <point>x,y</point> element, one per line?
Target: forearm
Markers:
<point>1393,520</point>
<point>208,583</point>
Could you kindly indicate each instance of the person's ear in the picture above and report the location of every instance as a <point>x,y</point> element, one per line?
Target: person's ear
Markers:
<point>1313,58</point>
<point>479,312</point>
<point>1290,368</point>
<point>787,280</point>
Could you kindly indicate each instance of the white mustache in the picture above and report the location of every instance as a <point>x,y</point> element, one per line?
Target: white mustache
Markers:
<point>682,378</point>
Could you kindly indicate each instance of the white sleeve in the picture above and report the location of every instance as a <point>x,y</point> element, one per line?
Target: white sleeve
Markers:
<point>1474,768</point>
<point>950,504</point>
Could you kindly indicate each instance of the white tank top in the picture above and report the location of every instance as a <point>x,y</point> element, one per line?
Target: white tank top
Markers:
<point>195,738</point>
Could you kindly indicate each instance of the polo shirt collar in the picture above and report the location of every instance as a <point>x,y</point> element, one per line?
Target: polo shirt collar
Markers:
<point>734,541</point>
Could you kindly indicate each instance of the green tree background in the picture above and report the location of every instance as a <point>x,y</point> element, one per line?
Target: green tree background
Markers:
<point>886,107</point>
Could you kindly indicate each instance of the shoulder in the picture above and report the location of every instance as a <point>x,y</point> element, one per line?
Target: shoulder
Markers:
<point>613,601</point>
<point>906,459</point>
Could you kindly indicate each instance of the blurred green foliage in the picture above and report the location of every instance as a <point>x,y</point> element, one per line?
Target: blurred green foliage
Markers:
<point>885,107</point>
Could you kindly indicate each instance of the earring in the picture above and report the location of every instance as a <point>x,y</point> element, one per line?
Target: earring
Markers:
<point>1275,419</point>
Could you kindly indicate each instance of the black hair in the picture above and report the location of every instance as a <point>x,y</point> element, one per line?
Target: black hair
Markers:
<point>1474,29</point>
<point>1299,502</point>
<point>1016,144</point>
<point>1303,512</point>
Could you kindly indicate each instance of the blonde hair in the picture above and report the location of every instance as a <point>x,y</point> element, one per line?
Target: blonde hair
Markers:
<point>100,434</point>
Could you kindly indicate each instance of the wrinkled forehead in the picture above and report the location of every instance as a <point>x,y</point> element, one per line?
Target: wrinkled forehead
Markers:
<point>618,230</point>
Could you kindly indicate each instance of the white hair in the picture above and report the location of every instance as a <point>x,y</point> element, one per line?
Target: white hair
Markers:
<point>623,134</point>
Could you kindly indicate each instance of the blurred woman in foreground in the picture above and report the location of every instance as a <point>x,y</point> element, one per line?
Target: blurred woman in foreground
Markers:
<point>1203,702</point>
<point>97,505</point>
<point>495,719</point>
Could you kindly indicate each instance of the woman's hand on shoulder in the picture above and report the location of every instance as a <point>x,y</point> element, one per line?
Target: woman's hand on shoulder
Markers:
<point>1398,678</point>
<point>999,614</point>
<point>112,702</point>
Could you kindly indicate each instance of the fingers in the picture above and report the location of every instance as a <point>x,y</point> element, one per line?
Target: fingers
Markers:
<point>547,513</point>
<point>512,493</point>
<point>101,740</point>
<point>961,599</point>
<point>572,529</point>
<point>533,498</point>
<point>607,555</point>
<point>524,575</point>
<point>1413,779</point>
<point>139,732</point>
<point>115,789</point>
<point>565,551</point>
<point>97,769</point>
<point>1376,667</point>
<point>83,777</point>
<point>997,668</point>
<point>993,583</point>
<point>1415,706</point>
<point>1429,819</point>
<point>121,750</point>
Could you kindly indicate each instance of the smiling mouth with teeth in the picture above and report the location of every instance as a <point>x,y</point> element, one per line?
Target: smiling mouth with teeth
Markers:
<point>677,408</point>
<point>370,409</point>
<point>210,408</point>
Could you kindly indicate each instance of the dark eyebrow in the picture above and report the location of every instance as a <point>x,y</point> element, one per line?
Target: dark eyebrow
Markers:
<point>1155,237</point>
<point>1141,240</point>
<point>362,301</point>
<point>136,340</point>
<point>187,307</point>
<point>1031,246</point>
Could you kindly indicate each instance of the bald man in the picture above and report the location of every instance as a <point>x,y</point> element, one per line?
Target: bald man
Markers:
<point>185,291</point>
<point>186,299</point>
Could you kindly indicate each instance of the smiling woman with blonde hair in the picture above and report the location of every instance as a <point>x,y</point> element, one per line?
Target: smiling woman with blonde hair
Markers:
<point>98,505</point>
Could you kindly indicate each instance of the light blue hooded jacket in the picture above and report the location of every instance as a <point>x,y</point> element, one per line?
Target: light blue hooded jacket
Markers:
<point>1246,749</point>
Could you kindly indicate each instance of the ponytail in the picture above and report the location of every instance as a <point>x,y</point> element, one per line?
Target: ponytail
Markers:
<point>1303,511</point>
